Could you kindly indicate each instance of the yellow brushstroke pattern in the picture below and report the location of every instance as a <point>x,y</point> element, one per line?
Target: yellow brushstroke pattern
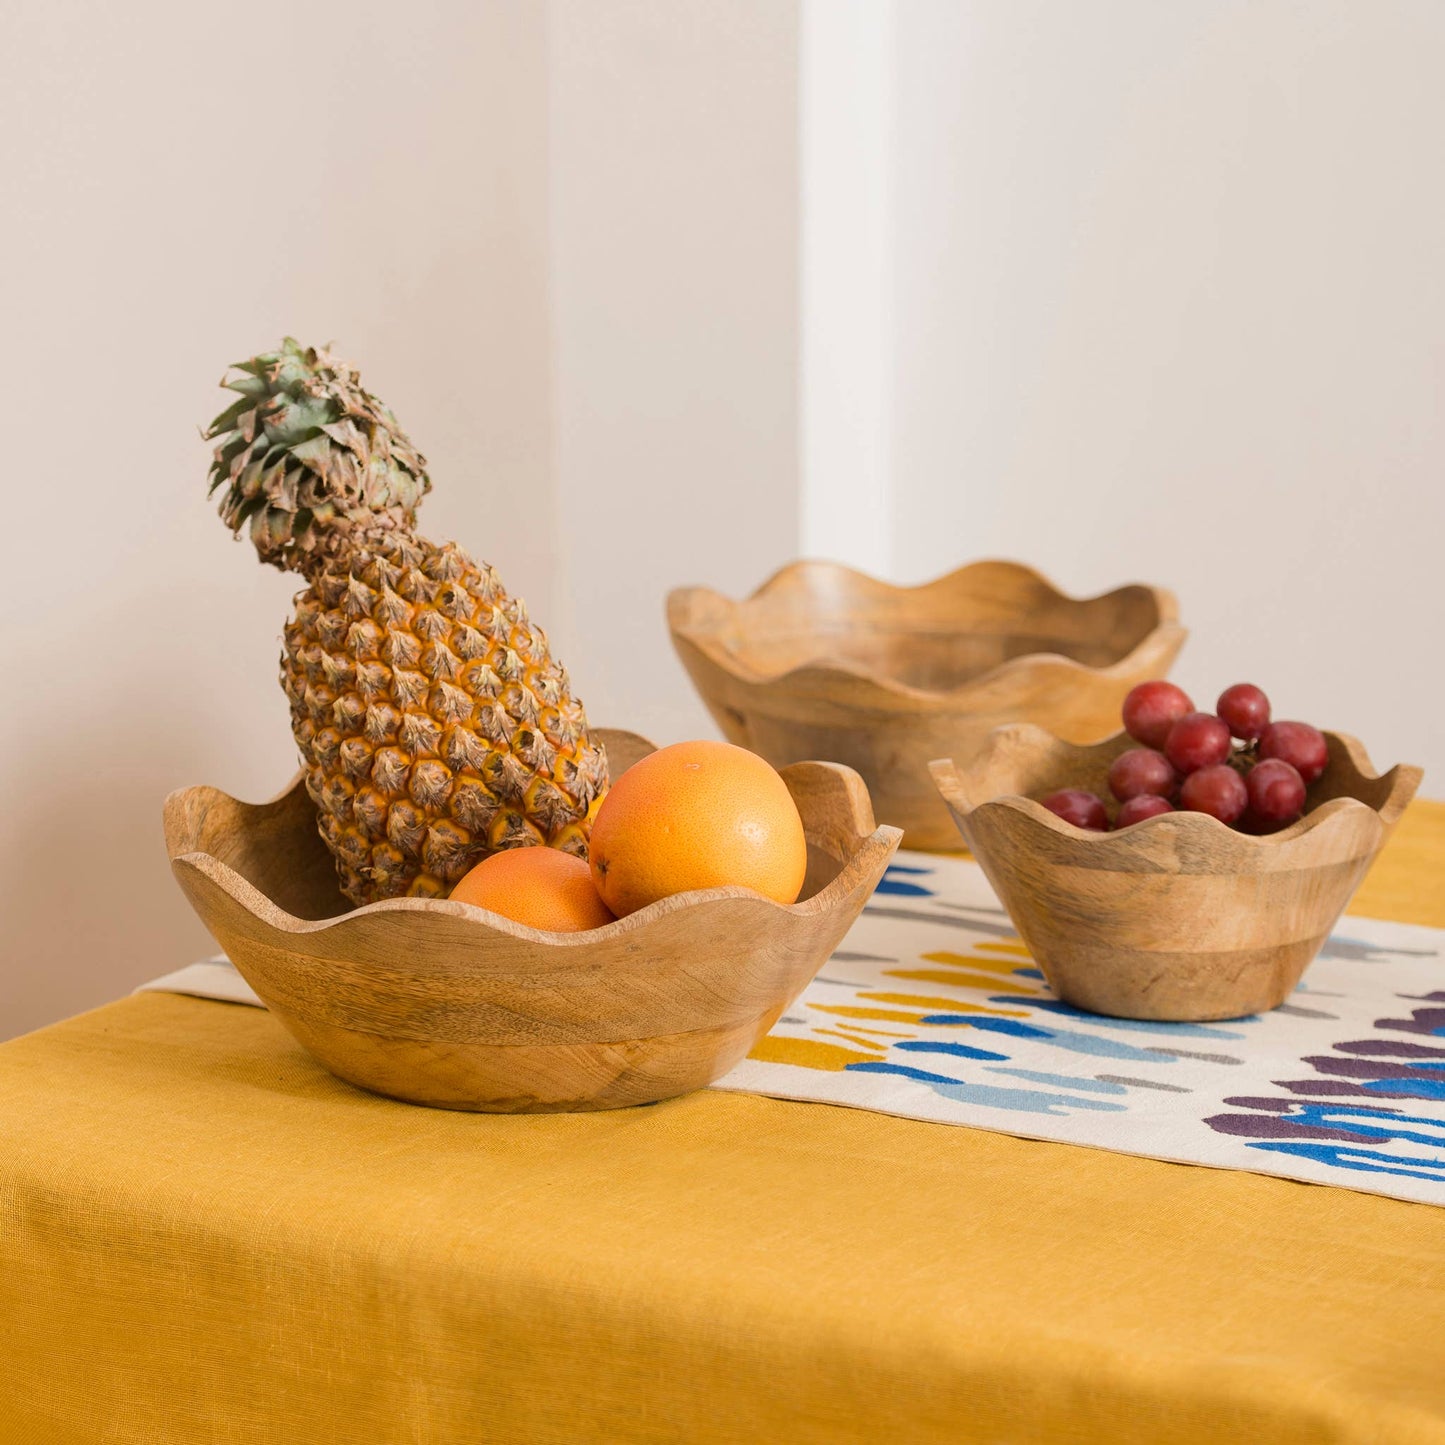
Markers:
<point>885,1033</point>
<point>847,1011</point>
<point>960,980</point>
<point>808,1054</point>
<point>966,960</point>
<point>930,1002</point>
<point>1016,949</point>
<point>852,1039</point>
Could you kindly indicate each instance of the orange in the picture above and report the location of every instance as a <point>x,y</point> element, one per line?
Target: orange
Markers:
<point>697,815</point>
<point>538,886</point>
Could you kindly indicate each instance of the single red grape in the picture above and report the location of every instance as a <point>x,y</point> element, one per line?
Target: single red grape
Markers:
<point>1217,790</point>
<point>1151,709</point>
<point>1245,709</point>
<point>1141,770</point>
<point>1141,806</point>
<point>1250,822</point>
<point>1276,791</point>
<point>1081,809</point>
<point>1197,740</point>
<point>1301,746</point>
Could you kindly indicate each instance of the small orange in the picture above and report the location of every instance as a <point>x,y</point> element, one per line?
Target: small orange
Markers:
<point>697,815</point>
<point>541,887</point>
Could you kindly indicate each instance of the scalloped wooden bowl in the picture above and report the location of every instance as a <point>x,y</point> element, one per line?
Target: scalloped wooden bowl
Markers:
<point>445,1004</point>
<point>1178,917</point>
<point>825,662</point>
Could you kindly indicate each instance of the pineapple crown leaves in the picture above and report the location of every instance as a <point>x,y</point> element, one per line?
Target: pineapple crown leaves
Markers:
<point>309,460</point>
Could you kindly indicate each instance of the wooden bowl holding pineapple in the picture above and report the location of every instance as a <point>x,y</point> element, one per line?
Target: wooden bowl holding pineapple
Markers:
<point>826,662</point>
<point>1180,916</point>
<point>439,1002</point>
<point>437,738</point>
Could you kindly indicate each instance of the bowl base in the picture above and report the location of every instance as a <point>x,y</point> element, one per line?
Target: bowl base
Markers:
<point>530,1078</point>
<point>1179,987</point>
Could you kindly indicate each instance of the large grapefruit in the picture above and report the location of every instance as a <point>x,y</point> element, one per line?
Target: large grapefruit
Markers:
<point>697,815</point>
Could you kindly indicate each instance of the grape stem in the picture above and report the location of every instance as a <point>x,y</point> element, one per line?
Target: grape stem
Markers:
<point>1243,756</point>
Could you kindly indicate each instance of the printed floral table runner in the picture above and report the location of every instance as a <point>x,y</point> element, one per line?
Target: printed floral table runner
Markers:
<point>932,1009</point>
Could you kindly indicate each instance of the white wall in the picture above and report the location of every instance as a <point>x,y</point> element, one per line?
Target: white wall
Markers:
<point>1171,307</point>
<point>559,238</point>
<point>183,185</point>
<point>846,109</point>
<point>674,180</point>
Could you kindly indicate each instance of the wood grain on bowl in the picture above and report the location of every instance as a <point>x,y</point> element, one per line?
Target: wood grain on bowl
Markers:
<point>1178,917</point>
<point>441,1003</point>
<point>826,662</point>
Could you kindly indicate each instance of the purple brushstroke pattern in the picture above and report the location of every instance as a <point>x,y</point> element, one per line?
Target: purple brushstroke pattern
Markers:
<point>1350,1134</point>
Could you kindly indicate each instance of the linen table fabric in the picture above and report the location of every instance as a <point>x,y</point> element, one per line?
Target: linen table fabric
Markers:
<point>206,1238</point>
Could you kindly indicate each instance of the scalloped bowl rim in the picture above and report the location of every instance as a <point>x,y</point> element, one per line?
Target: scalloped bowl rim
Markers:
<point>238,887</point>
<point>1167,628</point>
<point>1407,778</point>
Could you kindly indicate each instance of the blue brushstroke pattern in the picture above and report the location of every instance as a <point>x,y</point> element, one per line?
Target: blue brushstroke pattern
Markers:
<point>1356,950</point>
<point>1025,1101</point>
<point>1185,1031</point>
<point>988,1025</point>
<point>1369,1161</point>
<point>894,882</point>
<point>1063,1081</point>
<point>1387,1125</point>
<point>961,1051</point>
<point>877,1067</point>
<point>1075,1043</point>
<point>1407,1088</point>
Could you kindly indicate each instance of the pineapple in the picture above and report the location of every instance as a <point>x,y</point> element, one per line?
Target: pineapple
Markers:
<point>433,723</point>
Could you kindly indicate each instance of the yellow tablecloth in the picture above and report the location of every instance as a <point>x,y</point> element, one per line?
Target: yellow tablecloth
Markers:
<point>205,1238</point>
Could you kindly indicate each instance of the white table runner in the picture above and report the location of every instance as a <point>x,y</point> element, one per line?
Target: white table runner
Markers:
<point>932,1009</point>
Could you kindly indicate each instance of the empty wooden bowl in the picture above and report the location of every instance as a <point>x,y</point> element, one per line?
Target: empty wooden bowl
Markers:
<point>825,662</point>
<point>1178,917</point>
<point>442,1003</point>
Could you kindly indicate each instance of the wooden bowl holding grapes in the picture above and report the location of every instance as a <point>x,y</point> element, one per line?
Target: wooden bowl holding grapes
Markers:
<point>1205,899</point>
<point>826,662</point>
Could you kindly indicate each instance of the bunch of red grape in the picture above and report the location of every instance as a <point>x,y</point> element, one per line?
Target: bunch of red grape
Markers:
<point>1233,763</point>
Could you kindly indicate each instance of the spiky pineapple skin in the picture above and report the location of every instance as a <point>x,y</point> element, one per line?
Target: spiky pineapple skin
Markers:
<point>434,725</point>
